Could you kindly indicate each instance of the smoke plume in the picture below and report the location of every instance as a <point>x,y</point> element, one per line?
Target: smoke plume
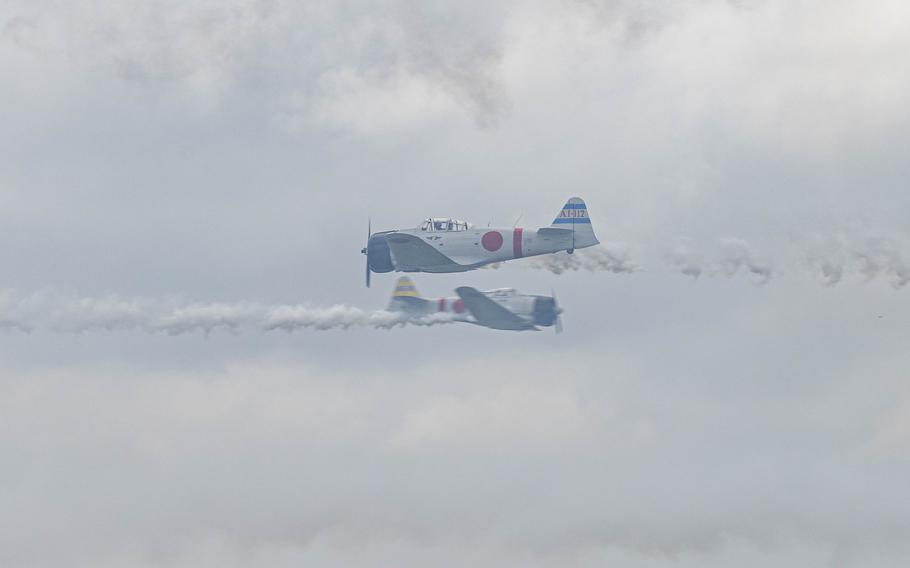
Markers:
<point>46,311</point>
<point>613,258</point>
<point>831,260</point>
<point>873,258</point>
<point>729,257</point>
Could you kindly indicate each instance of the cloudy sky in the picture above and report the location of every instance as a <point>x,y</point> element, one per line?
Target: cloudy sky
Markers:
<point>732,385</point>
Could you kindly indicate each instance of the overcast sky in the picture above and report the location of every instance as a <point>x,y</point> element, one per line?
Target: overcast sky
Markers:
<point>740,398</point>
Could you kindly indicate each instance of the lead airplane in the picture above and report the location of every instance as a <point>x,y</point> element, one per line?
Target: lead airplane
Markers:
<point>451,245</point>
<point>503,308</point>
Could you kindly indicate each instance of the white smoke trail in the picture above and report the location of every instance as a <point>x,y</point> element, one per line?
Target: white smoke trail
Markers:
<point>70,314</point>
<point>735,254</point>
<point>730,257</point>
<point>872,258</point>
<point>686,259</point>
<point>882,257</point>
<point>831,259</point>
<point>613,258</point>
<point>291,318</point>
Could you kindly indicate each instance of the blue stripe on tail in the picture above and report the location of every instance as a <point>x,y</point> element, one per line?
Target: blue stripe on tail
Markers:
<point>576,220</point>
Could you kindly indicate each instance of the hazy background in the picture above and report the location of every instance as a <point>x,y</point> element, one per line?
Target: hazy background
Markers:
<point>231,151</point>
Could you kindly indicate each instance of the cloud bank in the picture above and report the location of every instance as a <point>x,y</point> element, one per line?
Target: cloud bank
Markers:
<point>235,149</point>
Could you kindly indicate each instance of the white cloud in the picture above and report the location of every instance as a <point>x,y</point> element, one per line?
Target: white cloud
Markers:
<point>224,150</point>
<point>524,411</point>
<point>267,462</point>
<point>388,103</point>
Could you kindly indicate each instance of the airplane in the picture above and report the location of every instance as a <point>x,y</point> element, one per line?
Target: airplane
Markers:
<point>451,245</point>
<point>503,308</point>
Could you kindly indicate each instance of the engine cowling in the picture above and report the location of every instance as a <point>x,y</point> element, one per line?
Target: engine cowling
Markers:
<point>379,256</point>
<point>544,311</point>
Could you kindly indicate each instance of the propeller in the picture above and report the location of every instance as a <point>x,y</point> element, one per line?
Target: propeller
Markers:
<point>366,250</point>
<point>556,311</point>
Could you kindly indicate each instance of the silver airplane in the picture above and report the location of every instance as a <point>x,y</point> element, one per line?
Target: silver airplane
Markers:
<point>451,245</point>
<point>503,308</point>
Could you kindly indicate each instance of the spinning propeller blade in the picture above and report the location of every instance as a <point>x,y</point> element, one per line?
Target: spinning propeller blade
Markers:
<point>366,249</point>
<point>556,310</point>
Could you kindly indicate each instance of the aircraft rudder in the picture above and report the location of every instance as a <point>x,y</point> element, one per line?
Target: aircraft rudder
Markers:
<point>574,216</point>
<point>574,212</point>
<point>405,288</point>
<point>406,298</point>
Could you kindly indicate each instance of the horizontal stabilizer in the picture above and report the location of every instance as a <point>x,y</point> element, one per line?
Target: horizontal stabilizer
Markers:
<point>554,232</point>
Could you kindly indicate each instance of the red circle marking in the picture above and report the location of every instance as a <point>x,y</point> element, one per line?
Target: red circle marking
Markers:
<point>492,240</point>
<point>458,306</point>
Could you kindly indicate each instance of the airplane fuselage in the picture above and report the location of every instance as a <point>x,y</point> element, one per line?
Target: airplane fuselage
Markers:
<point>443,244</point>
<point>465,250</point>
<point>531,309</point>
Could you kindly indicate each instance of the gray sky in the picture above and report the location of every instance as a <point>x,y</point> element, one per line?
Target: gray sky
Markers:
<point>742,399</point>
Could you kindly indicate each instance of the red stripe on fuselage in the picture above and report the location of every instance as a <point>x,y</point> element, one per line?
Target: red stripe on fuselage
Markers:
<point>516,243</point>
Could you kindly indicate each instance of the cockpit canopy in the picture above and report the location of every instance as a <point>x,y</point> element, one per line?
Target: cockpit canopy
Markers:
<point>440,224</point>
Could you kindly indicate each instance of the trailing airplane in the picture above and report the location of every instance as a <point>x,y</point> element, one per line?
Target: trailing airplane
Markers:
<point>503,308</point>
<point>451,245</point>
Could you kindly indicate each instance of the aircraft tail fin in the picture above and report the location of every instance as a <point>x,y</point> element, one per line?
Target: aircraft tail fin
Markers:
<point>574,216</point>
<point>406,298</point>
<point>405,288</point>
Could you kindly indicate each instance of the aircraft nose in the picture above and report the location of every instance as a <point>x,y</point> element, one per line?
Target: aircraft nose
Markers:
<point>378,255</point>
<point>545,311</point>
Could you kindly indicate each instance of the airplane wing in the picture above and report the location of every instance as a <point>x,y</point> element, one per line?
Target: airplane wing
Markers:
<point>413,254</point>
<point>488,313</point>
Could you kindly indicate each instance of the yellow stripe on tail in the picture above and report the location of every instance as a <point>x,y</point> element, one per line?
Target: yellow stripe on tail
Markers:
<point>405,288</point>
